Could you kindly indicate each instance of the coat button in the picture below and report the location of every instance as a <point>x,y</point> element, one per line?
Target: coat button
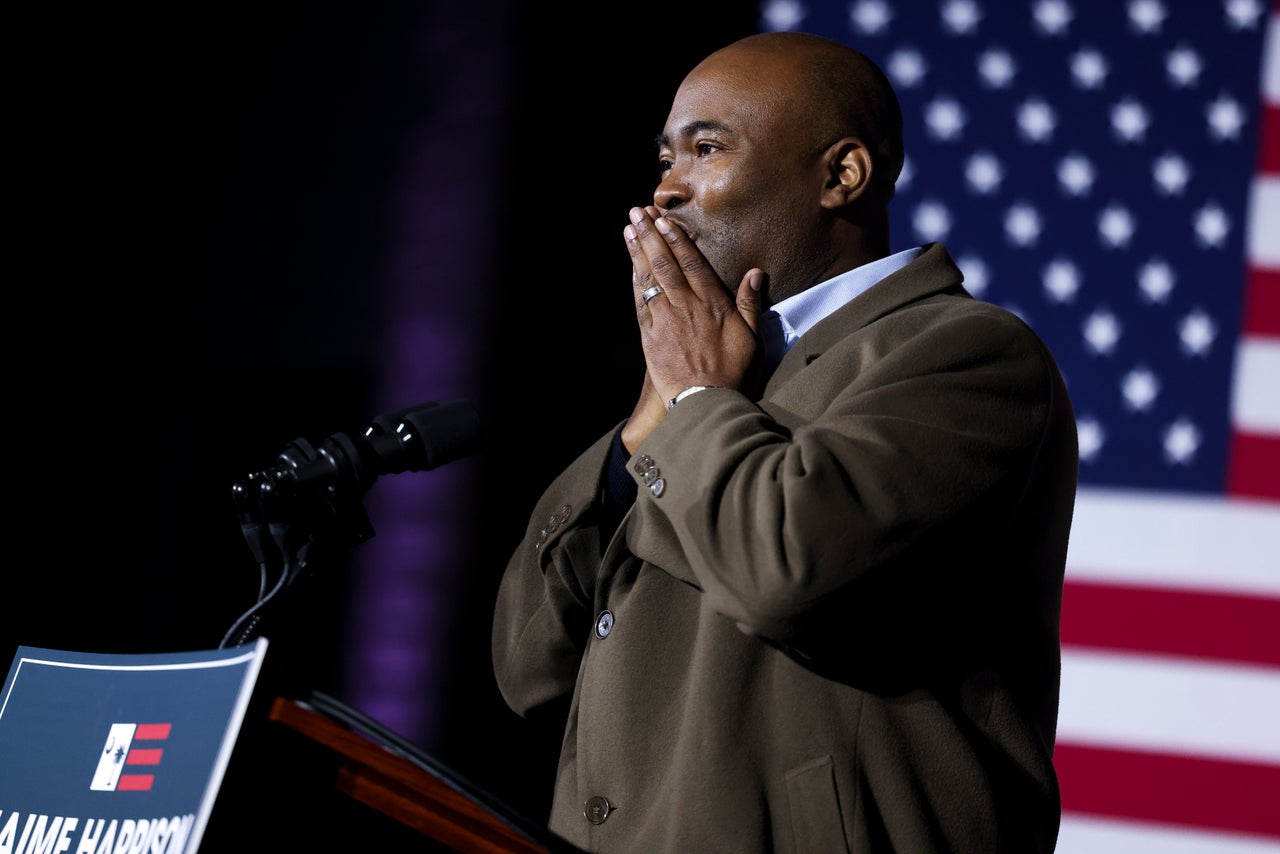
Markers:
<point>604,624</point>
<point>597,809</point>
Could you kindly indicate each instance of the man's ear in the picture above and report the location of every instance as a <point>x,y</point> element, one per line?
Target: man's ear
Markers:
<point>848,172</point>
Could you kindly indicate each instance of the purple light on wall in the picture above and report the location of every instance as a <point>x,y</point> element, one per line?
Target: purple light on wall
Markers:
<point>406,586</point>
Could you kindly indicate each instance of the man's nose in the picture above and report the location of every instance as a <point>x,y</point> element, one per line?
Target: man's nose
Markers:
<point>671,192</point>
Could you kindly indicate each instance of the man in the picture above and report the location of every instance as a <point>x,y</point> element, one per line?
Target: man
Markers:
<point>806,597</point>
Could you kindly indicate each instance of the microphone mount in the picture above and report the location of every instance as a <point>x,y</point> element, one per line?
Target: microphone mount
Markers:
<point>314,492</point>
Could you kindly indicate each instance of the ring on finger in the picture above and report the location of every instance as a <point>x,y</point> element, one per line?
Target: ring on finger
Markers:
<point>650,293</point>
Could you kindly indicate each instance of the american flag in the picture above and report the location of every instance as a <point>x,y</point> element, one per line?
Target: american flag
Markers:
<point>1111,173</point>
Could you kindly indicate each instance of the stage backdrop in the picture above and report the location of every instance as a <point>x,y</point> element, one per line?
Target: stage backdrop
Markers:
<point>1111,172</point>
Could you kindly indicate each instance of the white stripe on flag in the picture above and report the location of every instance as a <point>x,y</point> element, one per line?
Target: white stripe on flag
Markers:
<point>1263,238</point>
<point>1089,835</point>
<point>1169,705</point>
<point>1255,394</point>
<point>1182,541</point>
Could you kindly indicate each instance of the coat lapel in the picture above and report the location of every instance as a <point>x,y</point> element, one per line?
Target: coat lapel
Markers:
<point>933,272</point>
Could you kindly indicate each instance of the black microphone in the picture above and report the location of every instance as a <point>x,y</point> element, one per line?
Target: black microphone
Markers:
<point>313,494</point>
<point>418,438</point>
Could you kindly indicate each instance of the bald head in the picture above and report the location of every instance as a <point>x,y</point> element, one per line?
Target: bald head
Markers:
<point>827,89</point>
<point>780,152</point>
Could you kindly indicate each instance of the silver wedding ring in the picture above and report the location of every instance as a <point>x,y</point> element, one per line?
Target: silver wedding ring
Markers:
<point>650,293</point>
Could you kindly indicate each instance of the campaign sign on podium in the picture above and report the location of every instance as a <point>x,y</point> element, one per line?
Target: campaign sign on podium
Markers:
<point>106,753</point>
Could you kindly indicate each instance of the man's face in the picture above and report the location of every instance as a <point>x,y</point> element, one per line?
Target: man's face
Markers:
<point>739,172</point>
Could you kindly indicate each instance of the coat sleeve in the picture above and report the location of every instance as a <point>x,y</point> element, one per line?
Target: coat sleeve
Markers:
<point>878,492</point>
<point>543,610</point>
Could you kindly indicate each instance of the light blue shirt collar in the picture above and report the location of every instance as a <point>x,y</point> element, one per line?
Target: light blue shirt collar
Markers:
<point>783,324</point>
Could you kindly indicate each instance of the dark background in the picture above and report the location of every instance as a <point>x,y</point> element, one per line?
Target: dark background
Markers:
<point>206,205</point>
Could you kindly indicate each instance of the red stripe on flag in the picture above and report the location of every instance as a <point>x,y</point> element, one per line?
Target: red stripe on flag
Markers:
<point>143,757</point>
<point>150,732</point>
<point>1268,137</point>
<point>1174,622</point>
<point>135,782</point>
<point>1254,469</point>
<point>1180,790</point>
<point>1262,301</point>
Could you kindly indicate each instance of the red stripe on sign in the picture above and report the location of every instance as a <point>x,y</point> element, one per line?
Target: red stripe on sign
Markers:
<point>148,732</point>
<point>135,782</point>
<point>143,757</point>
<point>1254,470</point>
<point>1179,790</point>
<point>1176,622</point>
<point>1262,301</point>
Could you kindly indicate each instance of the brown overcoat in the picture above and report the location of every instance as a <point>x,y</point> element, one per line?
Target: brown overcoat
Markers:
<point>832,614</point>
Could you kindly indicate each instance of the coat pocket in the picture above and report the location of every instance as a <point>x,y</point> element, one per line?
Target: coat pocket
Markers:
<point>816,823</point>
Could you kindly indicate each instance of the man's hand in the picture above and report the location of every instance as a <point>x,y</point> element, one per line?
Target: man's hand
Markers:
<point>649,412</point>
<point>697,331</point>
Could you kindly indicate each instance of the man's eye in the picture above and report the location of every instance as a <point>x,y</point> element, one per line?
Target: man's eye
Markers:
<point>664,165</point>
<point>706,148</point>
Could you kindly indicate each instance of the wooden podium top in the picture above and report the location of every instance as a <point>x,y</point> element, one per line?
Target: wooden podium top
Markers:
<point>391,783</point>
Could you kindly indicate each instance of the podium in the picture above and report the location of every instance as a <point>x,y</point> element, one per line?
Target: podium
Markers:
<point>183,752</point>
<point>379,770</point>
